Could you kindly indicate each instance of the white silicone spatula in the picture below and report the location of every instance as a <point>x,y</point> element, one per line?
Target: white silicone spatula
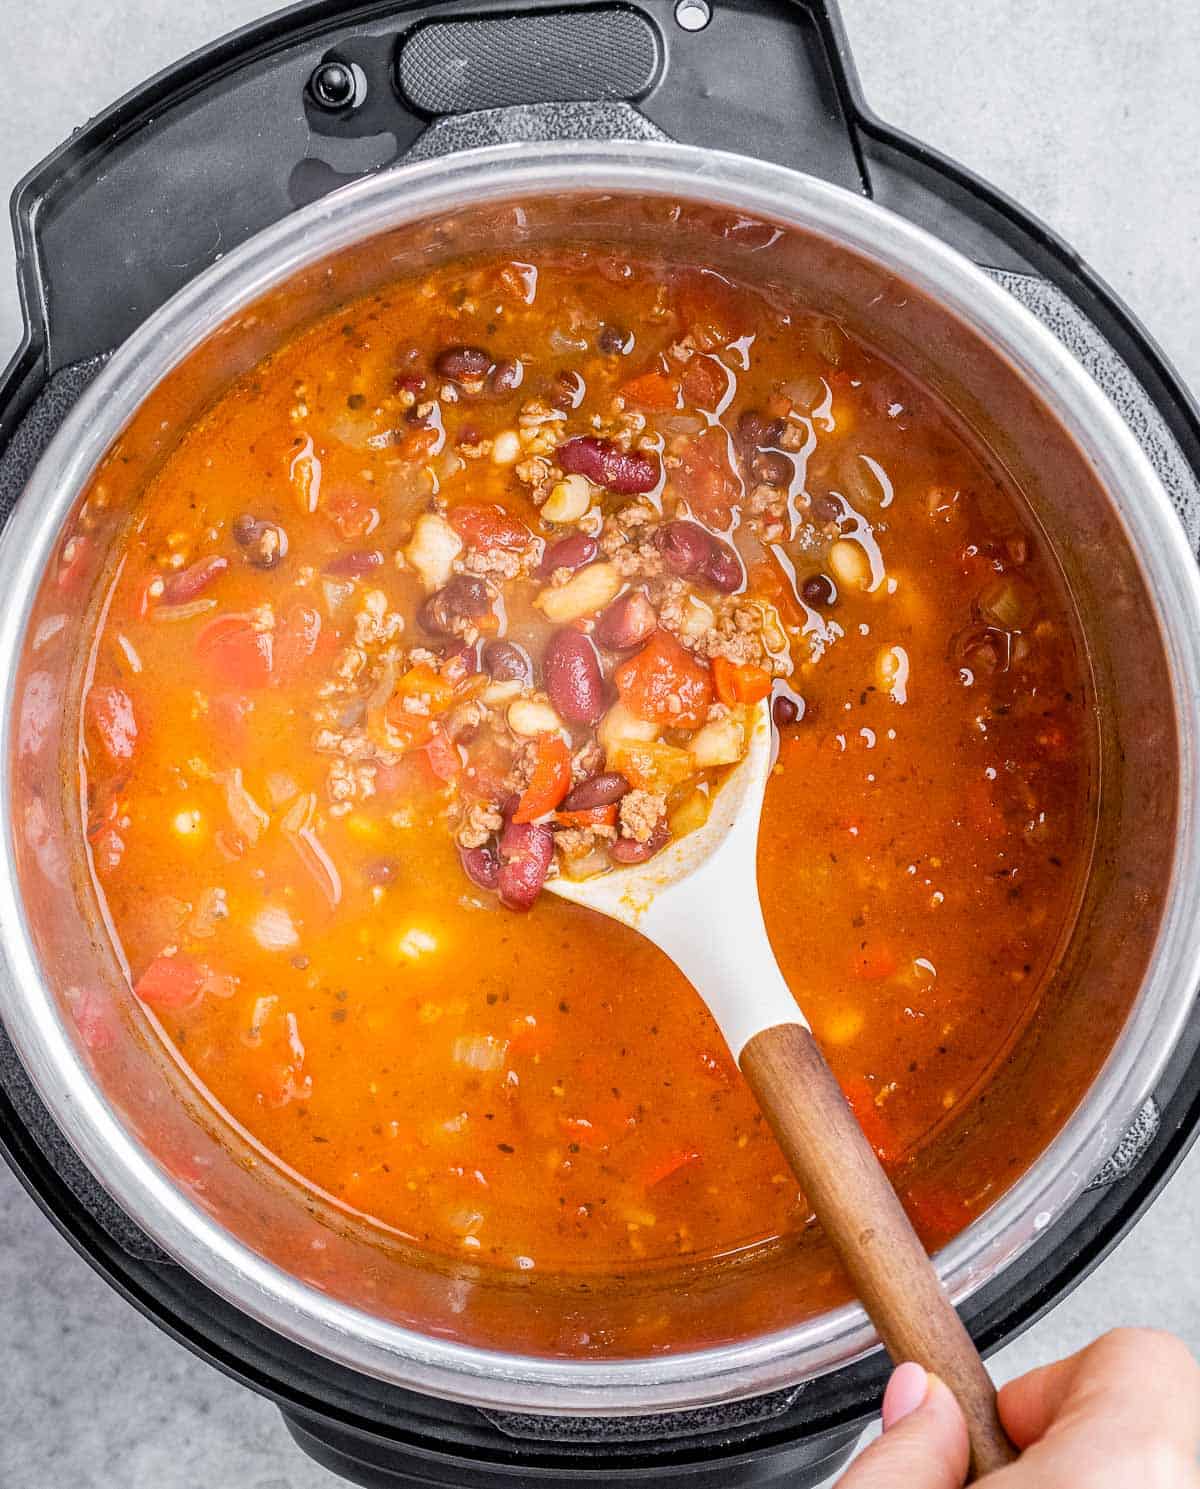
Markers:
<point>698,901</point>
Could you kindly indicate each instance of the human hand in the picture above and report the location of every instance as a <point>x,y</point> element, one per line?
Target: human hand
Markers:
<point>1124,1413</point>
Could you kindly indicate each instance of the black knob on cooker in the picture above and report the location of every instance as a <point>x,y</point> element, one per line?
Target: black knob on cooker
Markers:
<point>332,85</point>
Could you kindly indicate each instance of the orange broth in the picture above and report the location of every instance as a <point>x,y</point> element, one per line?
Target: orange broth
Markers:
<point>543,1090</point>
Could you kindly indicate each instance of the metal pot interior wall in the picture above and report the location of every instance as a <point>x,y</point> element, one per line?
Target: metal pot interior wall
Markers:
<point>1056,1055</point>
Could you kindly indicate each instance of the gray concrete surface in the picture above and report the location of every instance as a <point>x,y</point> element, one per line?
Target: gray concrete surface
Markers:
<point>1083,109</point>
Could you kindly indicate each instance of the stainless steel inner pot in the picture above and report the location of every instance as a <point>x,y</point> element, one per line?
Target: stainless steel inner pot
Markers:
<point>315,1274</point>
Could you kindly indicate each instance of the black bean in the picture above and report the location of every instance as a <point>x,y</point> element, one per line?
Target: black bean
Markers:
<point>772,468</point>
<point>463,364</point>
<point>784,711</point>
<point>614,341</point>
<point>265,543</point>
<point>507,376</point>
<point>464,598</point>
<point>504,661</point>
<point>568,391</point>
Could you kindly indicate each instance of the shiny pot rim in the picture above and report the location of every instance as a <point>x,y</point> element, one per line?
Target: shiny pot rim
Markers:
<point>494,174</point>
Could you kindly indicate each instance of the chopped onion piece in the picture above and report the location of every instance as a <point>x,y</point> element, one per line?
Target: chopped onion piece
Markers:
<point>259,1015</point>
<point>248,817</point>
<point>274,930</point>
<point>480,1051</point>
<point>166,613</point>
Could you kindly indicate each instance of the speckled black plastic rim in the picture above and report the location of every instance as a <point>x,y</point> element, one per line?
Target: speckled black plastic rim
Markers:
<point>373,205</point>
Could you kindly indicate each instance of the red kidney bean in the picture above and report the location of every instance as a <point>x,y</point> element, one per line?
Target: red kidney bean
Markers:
<point>629,850</point>
<point>627,622</point>
<point>463,364</point>
<point>526,851</point>
<point>504,661</point>
<point>507,376</point>
<point>691,550</point>
<point>356,563</point>
<point>568,553</point>
<point>192,581</point>
<point>685,547</point>
<point>601,791</point>
<point>464,598</point>
<point>827,509</point>
<point>723,569</point>
<point>573,678</point>
<point>481,865</point>
<point>818,589</point>
<point>625,472</point>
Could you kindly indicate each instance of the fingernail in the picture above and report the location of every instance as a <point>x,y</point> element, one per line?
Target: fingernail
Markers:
<point>906,1390</point>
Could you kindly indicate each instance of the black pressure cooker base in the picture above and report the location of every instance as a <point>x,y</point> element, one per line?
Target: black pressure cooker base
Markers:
<point>327,93</point>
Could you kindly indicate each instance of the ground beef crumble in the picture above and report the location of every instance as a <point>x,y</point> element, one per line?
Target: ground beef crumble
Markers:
<point>640,814</point>
<point>479,822</point>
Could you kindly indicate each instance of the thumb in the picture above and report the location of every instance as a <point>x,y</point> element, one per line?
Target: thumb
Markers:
<point>924,1442</point>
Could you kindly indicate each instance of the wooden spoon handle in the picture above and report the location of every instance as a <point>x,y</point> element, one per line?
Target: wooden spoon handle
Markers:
<point>852,1198</point>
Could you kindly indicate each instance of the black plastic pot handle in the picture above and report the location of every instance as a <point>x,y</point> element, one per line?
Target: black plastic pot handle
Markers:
<point>157,187</point>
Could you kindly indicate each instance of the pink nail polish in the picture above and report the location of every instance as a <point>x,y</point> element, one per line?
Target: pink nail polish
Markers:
<point>905,1392</point>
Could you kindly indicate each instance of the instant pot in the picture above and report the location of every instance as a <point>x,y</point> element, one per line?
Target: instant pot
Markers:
<point>130,249</point>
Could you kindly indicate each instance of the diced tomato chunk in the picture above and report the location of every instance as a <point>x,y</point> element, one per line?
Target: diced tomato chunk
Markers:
<point>295,642</point>
<point>170,982</point>
<point>705,480</point>
<point>110,713</point>
<point>410,731</point>
<point>874,962</point>
<point>235,652</point>
<point>583,1132</point>
<point>528,1037</point>
<point>936,1211</point>
<point>488,764</point>
<point>705,382</point>
<point>443,756</point>
<point>589,817</point>
<point>670,1163</point>
<point>713,311</point>
<point>489,527</point>
<point>665,684</point>
<point>740,683</point>
<point>425,682</point>
<point>859,1092</point>
<point>72,561</point>
<point>352,512</point>
<point>550,781</point>
<point>653,390</point>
